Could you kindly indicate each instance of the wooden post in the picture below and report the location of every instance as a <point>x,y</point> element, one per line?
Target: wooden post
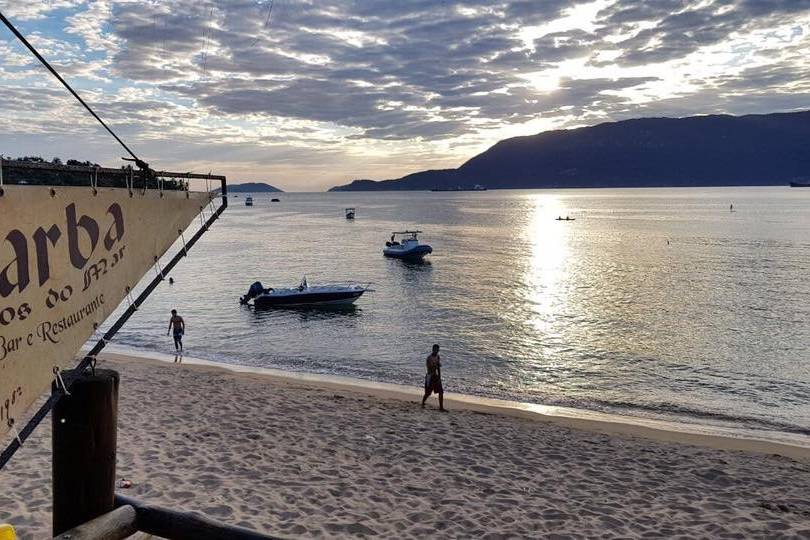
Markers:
<point>84,446</point>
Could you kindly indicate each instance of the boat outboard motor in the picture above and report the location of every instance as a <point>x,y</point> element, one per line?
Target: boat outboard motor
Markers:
<point>255,290</point>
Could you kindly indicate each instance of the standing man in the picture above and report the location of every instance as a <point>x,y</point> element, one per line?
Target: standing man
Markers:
<point>178,325</point>
<point>433,378</point>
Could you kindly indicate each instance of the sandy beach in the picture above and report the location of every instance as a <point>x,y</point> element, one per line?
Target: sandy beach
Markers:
<point>297,459</point>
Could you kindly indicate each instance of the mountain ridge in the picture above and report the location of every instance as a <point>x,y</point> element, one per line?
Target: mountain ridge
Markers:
<point>707,150</point>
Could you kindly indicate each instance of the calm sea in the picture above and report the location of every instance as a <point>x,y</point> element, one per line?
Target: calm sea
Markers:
<point>653,302</point>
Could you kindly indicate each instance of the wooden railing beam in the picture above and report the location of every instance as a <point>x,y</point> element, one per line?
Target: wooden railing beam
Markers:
<point>115,525</point>
<point>174,525</point>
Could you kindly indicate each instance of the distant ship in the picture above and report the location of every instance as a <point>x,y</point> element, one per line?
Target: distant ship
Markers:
<point>476,187</point>
<point>800,184</point>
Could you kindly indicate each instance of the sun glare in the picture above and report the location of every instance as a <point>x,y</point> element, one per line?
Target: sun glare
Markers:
<point>545,274</point>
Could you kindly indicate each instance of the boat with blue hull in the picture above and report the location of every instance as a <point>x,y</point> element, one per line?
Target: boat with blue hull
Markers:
<point>408,248</point>
<point>302,296</point>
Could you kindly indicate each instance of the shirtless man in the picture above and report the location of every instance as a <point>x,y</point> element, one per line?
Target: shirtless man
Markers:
<point>177,324</point>
<point>433,378</point>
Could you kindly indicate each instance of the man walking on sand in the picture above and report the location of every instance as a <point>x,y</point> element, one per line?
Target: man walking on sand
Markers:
<point>177,324</point>
<point>433,378</point>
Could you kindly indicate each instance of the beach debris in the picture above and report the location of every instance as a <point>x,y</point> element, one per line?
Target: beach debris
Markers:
<point>7,532</point>
<point>124,483</point>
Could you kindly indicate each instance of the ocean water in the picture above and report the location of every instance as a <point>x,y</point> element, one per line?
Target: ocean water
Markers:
<point>654,302</point>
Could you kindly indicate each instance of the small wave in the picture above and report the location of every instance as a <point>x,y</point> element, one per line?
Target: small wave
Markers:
<point>684,412</point>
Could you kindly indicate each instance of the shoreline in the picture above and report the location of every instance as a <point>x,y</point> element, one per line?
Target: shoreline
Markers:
<point>714,437</point>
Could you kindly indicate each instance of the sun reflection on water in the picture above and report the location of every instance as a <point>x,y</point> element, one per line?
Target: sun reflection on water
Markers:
<point>546,272</point>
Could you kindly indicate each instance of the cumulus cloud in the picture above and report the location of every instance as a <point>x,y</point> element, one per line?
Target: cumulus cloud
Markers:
<point>379,80</point>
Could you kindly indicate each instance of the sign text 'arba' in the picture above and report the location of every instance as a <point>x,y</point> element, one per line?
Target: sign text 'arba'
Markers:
<point>68,257</point>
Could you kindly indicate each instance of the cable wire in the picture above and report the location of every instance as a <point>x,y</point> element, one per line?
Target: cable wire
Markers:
<point>141,164</point>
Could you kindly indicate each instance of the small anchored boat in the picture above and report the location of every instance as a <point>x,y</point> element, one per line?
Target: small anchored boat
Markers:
<point>408,248</point>
<point>303,295</point>
<point>350,213</point>
<point>248,201</point>
<point>566,218</point>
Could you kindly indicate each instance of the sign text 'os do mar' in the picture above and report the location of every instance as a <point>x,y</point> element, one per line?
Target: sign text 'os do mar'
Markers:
<point>67,259</point>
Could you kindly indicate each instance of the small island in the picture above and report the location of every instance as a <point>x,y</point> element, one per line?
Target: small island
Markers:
<point>253,187</point>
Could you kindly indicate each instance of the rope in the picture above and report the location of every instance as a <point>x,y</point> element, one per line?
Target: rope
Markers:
<point>132,305</point>
<point>266,22</point>
<point>45,63</point>
<point>60,383</point>
<point>205,42</point>
<point>185,250</point>
<point>158,268</point>
<point>14,429</point>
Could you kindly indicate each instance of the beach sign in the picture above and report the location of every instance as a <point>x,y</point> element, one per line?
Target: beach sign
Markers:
<point>68,257</point>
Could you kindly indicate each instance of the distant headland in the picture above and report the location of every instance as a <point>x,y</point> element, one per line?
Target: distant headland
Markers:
<point>714,150</point>
<point>253,187</point>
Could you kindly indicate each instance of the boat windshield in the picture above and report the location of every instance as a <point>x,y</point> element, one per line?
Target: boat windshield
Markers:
<point>407,235</point>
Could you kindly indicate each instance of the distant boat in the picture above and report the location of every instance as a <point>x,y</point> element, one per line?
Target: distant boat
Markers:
<point>350,213</point>
<point>409,249</point>
<point>303,296</point>
<point>248,201</point>
<point>274,200</point>
<point>799,184</point>
<point>476,187</point>
<point>566,218</point>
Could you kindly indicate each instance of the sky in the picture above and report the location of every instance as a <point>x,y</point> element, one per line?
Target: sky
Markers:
<point>306,95</point>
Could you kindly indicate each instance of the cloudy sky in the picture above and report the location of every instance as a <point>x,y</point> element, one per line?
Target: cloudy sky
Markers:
<point>309,94</point>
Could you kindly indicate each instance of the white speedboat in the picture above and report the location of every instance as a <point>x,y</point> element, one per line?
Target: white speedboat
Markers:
<point>407,248</point>
<point>248,201</point>
<point>303,295</point>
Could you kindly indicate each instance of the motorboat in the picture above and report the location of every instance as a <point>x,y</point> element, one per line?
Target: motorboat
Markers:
<point>350,213</point>
<point>248,201</point>
<point>275,200</point>
<point>407,248</point>
<point>303,295</point>
<point>566,218</point>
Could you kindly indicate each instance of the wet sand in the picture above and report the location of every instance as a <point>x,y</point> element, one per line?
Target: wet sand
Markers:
<point>298,458</point>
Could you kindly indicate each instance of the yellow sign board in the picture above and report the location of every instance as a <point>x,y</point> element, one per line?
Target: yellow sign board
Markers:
<point>68,256</point>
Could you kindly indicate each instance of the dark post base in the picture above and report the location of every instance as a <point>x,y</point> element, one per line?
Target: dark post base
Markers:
<point>84,446</point>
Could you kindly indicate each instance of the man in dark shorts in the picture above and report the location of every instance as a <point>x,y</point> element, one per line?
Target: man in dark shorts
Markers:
<point>178,326</point>
<point>433,378</point>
